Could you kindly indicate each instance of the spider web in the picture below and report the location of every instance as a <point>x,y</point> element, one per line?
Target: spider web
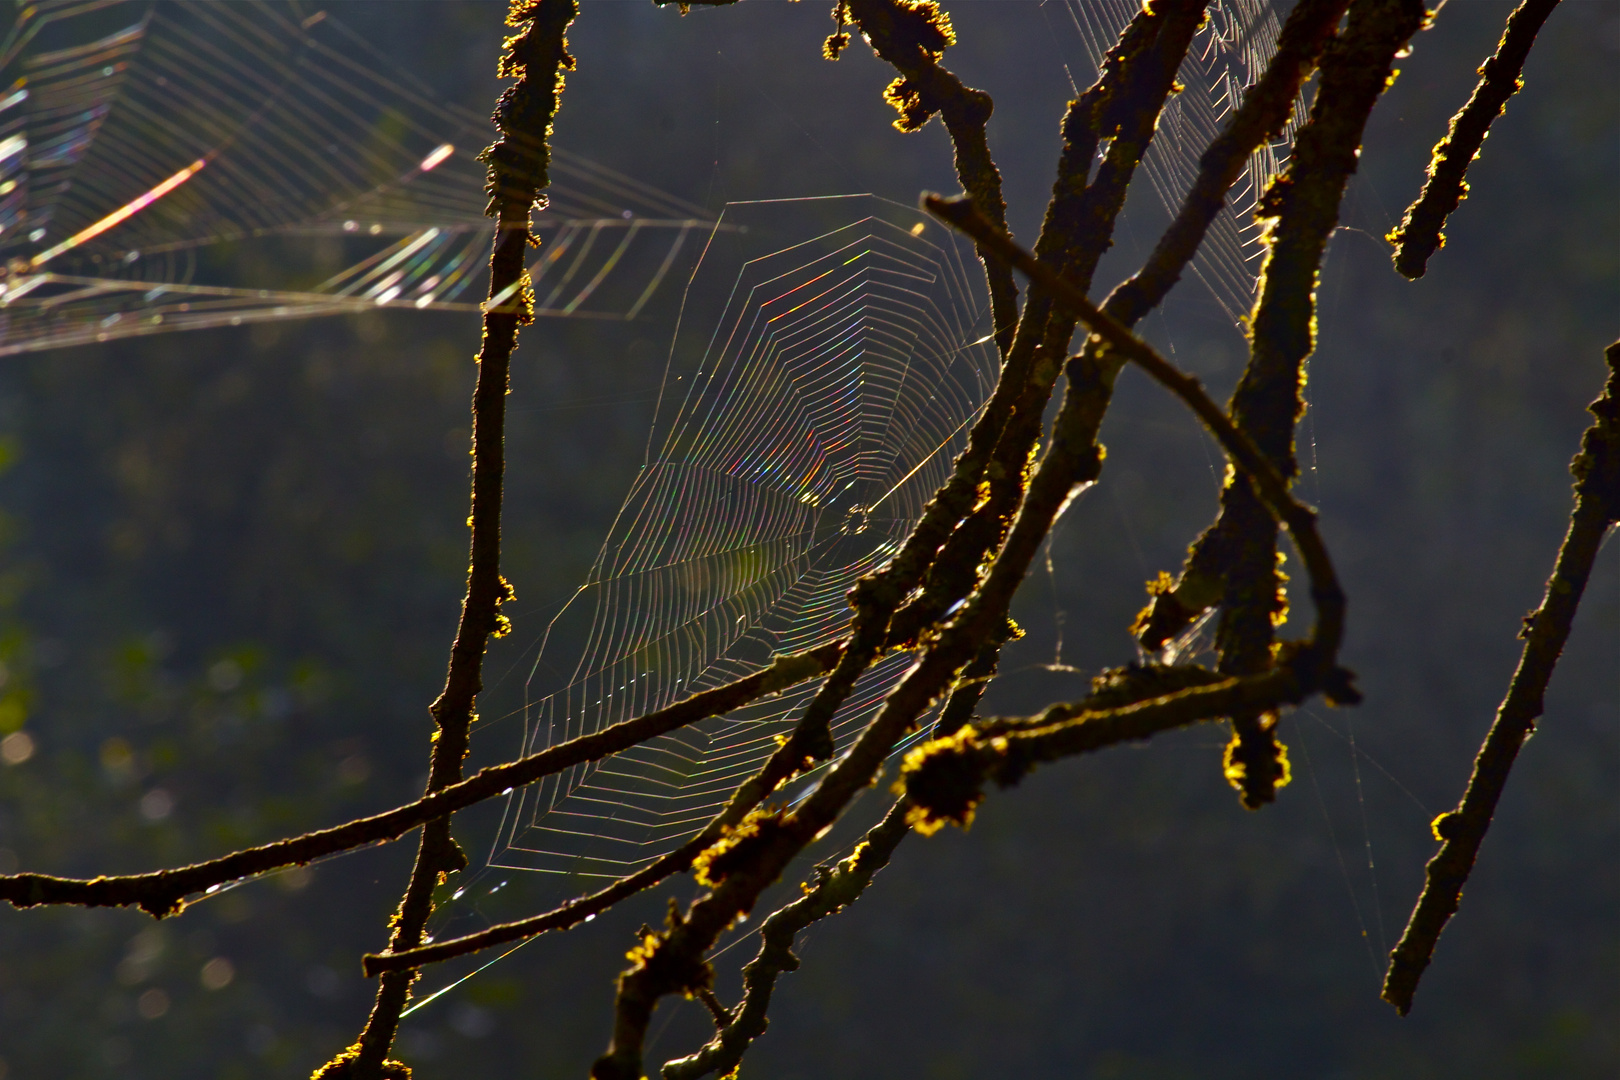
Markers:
<point>813,403</point>
<point>173,166</point>
<point>1229,52</point>
<point>791,454</point>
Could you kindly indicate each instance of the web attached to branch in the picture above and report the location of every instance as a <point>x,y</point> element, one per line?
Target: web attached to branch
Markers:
<point>1229,52</point>
<point>176,165</point>
<point>812,405</point>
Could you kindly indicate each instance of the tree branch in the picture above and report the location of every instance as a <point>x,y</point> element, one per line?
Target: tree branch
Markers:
<point>1461,831</point>
<point>519,161</point>
<point>1270,485</point>
<point>944,777</point>
<point>954,535</point>
<point>163,892</point>
<point>1263,114</point>
<point>1235,561</point>
<point>836,887</point>
<point>787,760</point>
<point>1123,107</point>
<point>1419,234</point>
<point>912,37</point>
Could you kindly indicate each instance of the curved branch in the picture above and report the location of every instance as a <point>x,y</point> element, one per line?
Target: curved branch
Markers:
<point>1231,557</point>
<point>1272,488</point>
<point>1419,234</point>
<point>1597,508</point>
<point>1303,207</point>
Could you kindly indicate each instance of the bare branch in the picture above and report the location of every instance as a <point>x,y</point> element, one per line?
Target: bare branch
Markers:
<point>913,38</point>
<point>1264,113</point>
<point>1461,831</point>
<point>1304,203</point>
<point>1235,561</point>
<point>1419,235</point>
<point>1125,103</point>
<point>944,777</point>
<point>536,56</point>
<point>1123,106</point>
<point>1272,488</point>
<point>836,887</point>
<point>788,759</point>
<point>163,892</point>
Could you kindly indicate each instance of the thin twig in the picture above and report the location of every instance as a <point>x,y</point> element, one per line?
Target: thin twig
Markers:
<point>519,161</point>
<point>1263,114</point>
<point>912,37</point>
<point>1461,831</point>
<point>164,892</point>
<point>788,759</point>
<point>836,887</point>
<point>1419,235</point>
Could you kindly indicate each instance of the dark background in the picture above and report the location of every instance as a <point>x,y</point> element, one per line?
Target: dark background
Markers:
<point>241,553</point>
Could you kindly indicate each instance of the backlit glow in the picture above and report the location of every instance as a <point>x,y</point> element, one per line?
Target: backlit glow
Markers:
<point>123,213</point>
<point>437,158</point>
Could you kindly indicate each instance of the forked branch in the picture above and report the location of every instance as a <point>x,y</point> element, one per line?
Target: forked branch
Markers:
<point>1235,562</point>
<point>836,887</point>
<point>1271,487</point>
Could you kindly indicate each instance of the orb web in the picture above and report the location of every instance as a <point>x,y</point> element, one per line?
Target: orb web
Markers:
<point>813,403</point>
<point>1229,52</point>
<point>173,166</point>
